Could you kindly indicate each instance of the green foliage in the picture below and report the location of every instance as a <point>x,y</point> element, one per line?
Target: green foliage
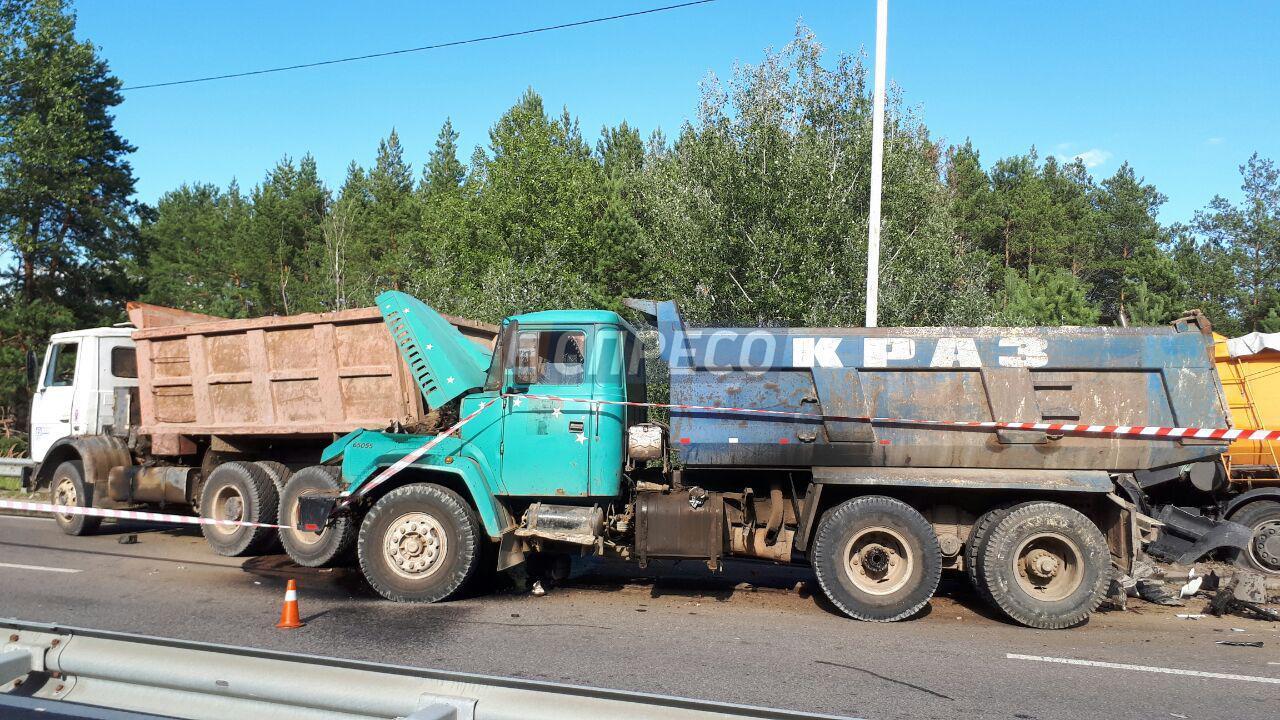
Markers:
<point>1246,237</point>
<point>756,213</point>
<point>66,219</point>
<point>1047,297</point>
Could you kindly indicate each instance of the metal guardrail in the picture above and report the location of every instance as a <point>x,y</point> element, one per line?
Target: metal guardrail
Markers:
<point>125,673</point>
<point>13,467</point>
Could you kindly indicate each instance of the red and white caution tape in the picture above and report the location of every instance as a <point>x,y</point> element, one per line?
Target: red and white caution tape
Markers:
<point>128,514</point>
<point>410,457</point>
<point>1071,428</point>
<point>518,398</point>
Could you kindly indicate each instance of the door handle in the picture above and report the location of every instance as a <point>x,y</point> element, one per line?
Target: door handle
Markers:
<point>576,426</point>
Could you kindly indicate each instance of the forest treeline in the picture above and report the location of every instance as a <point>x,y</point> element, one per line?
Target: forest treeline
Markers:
<point>754,212</point>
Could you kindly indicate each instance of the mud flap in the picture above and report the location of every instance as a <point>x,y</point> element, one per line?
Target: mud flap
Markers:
<point>314,511</point>
<point>1188,536</point>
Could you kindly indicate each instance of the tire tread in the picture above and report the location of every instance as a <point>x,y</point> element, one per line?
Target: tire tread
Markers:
<point>824,543</point>
<point>1000,593</point>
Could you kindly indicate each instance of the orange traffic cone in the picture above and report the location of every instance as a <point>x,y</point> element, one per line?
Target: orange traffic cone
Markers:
<point>289,614</point>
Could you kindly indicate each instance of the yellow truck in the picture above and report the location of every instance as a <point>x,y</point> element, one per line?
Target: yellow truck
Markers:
<point>1234,503</point>
<point>1250,371</point>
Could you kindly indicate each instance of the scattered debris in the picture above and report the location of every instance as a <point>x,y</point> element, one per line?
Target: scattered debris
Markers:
<point>1250,586</point>
<point>537,589</point>
<point>1148,583</point>
<point>130,539</point>
<point>1154,590</point>
<point>1212,581</point>
<point>1191,616</point>
<point>1193,585</point>
<point>1240,595</point>
<point>1241,643</point>
<point>1122,588</point>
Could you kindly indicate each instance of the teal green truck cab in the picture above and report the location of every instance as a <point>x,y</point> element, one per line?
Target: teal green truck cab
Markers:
<point>515,447</point>
<point>544,447</point>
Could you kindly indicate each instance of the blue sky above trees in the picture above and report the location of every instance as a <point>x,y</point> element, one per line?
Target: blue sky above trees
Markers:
<point>1184,91</point>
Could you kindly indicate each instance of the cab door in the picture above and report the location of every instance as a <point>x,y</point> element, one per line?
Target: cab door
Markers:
<point>546,444</point>
<point>54,403</point>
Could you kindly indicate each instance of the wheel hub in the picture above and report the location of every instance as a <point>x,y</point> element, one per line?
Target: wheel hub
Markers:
<point>1050,566</point>
<point>1042,564</point>
<point>415,545</point>
<point>233,509</point>
<point>228,506</point>
<point>1266,543</point>
<point>878,561</point>
<point>65,494</point>
<point>875,559</point>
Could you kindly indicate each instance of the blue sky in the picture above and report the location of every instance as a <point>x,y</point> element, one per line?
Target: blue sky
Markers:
<point>1185,91</point>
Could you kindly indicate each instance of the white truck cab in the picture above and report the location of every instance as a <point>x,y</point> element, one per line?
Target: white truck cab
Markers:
<point>76,385</point>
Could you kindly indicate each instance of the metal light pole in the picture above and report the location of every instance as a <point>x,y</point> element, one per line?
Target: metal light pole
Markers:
<point>877,166</point>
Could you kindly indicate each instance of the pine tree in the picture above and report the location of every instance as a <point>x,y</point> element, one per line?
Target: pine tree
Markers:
<point>65,187</point>
<point>282,255</point>
<point>1047,297</point>
<point>1127,248</point>
<point>444,173</point>
<point>1249,235</point>
<point>388,229</point>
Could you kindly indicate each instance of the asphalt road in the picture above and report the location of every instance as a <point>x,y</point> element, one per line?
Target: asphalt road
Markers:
<point>746,636</point>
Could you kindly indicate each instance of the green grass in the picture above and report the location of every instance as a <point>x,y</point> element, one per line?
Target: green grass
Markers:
<point>10,482</point>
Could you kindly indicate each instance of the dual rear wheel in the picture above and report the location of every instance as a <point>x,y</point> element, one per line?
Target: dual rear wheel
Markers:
<point>1043,564</point>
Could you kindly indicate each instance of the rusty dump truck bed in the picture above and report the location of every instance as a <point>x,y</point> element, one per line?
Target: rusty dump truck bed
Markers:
<point>310,374</point>
<point>1157,376</point>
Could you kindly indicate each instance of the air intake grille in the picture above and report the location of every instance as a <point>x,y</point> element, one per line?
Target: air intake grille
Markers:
<point>412,353</point>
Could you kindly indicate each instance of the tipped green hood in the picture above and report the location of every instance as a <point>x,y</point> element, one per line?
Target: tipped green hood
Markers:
<point>443,361</point>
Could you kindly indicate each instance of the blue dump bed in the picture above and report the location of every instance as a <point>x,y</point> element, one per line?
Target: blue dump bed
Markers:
<point>1159,376</point>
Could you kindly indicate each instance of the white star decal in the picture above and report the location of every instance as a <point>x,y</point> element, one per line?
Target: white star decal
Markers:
<point>449,380</point>
<point>517,402</point>
<point>556,412</point>
<point>429,346</point>
<point>582,438</point>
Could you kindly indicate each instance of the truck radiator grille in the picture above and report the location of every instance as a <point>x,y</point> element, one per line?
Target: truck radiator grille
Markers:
<point>411,352</point>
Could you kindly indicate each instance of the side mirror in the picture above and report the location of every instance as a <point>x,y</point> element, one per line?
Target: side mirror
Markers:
<point>32,367</point>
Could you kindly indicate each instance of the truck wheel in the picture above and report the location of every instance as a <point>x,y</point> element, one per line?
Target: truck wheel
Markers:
<point>1263,518</point>
<point>69,488</point>
<point>278,472</point>
<point>975,547</point>
<point>419,543</point>
<point>1046,565</point>
<point>877,558</point>
<point>334,543</point>
<point>239,491</point>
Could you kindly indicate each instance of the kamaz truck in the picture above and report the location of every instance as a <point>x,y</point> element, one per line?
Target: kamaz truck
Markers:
<point>183,410</point>
<point>559,451</point>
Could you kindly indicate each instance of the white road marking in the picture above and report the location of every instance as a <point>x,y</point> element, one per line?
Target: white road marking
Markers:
<point>1146,668</point>
<point>38,567</point>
